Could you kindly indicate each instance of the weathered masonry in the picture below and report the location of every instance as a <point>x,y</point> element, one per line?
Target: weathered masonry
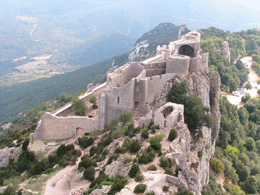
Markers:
<point>137,87</point>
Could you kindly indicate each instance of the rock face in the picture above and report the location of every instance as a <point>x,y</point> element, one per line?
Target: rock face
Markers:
<point>104,190</point>
<point>225,51</point>
<point>6,126</point>
<point>145,47</point>
<point>140,51</point>
<point>118,168</point>
<point>8,154</point>
<point>191,153</point>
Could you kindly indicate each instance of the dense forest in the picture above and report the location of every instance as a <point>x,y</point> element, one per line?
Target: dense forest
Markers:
<point>237,153</point>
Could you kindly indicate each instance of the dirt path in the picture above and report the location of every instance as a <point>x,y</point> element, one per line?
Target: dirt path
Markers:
<point>61,182</point>
<point>34,27</point>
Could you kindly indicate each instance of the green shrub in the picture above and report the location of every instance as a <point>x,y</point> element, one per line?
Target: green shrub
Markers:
<point>200,154</point>
<point>168,171</point>
<point>96,150</point>
<point>246,97</point>
<point>172,135</point>
<point>127,159</point>
<point>134,170</point>
<point>248,85</point>
<point>184,192</point>
<point>165,162</point>
<point>140,188</point>
<point>39,167</point>
<point>86,162</point>
<point>124,118</point>
<point>101,178</point>
<point>150,193</point>
<point>217,165</point>
<point>112,157</point>
<point>165,188</point>
<point>155,141</point>
<point>145,134</point>
<point>139,177</point>
<point>61,150</point>
<point>9,191</point>
<point>93,100</point>
<point>135,146</point>
<point>79,107</point>
<point>118,185</point>
<point>85,142</point>
<point>89,173</point>
<point>152,167</point>
<point>121,150</point>
<point>153,127</point>
<point>232,151</point>
<point>147,156</point>
<point>25,144</point>
<point>119,132</point>
<point>195,113</point>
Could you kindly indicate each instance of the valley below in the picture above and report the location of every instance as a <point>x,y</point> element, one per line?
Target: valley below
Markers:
<point>38,67</point>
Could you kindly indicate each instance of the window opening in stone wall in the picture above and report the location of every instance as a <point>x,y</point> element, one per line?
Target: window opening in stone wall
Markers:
<point>187,51</point>
<point>136,104</point>
<point>167,111</point>
<point>118,100</point>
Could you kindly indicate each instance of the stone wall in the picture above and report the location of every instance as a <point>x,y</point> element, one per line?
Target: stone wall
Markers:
<point>169,115</point>
<point>117,101</point>
<point>178,65</point>
<point>157,90</point>
<point>52,127</point>
<point>124,74</point>
<point>67,110</point>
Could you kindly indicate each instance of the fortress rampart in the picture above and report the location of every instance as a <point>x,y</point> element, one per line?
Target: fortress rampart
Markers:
<point>137,87</point>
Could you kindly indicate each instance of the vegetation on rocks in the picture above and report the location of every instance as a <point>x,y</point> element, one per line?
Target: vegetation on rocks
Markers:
<point>140,188</point>
<point>79,107</point>
<point>135,169</point>
<point>172,135</point>
<point>195,113</point>
<point>93,100</point>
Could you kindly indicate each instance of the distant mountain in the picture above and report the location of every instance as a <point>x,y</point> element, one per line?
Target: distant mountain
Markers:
<point>45,26</point>
<point>162,34</point>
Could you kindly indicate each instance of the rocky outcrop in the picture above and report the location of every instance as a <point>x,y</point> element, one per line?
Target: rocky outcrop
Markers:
<point>192,153</point>
<point>215,83</point>
<point>8,154</point>
<point>225,51</point>
<point>159,181</point>
<point>118,168</point>
<point>6,126</point>
<point>140,51</point>
<point>104,190</point>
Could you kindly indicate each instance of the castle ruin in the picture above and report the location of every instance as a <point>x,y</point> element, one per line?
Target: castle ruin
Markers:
<point>139,88</point>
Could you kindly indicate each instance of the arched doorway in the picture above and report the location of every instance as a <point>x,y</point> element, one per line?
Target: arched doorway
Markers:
<point>79,132</point>
<point>187,51</point>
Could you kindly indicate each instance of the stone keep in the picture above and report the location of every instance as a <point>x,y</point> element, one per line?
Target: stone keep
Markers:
<point>142,87</point>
